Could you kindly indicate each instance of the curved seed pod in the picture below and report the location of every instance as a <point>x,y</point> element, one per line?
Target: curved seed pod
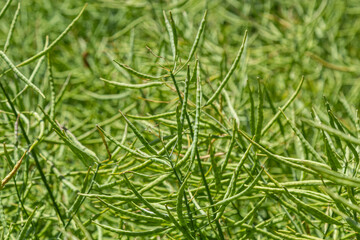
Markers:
<point>184,105</point>
<point>196,42</point>
<point>311,210</point>
<point>122,197</point>
<point>170,27</point>
<point>314,211</point>
<point>132,233</point>
<point>294,164</point>
<point>155,182</point>
<point>82,228</point>
<point>228,200</point>
<point>352,223</point>
<point>303,193</point>
<point>304,183</point>
<point>117,143</point>
<point>52,87</point>
<point>146,203</point>
<point>231,71</point>
<point>24,230</point>
<point>12,26</point>
<point>134,86</point>
<point>139,136</point>
<point>13,171</point>
<point>260,115</point>
<point>196,127</point>
<point>3,10</point>
<point>332,155</point>
<point>341,128</point>
<point>87,156</point>
<point>81,147</point>
<point>250,214</point>
<point>229,149</point>
<point>180,196</point>
<point>348,108</point>
<point>61,36</point>
<point>152,117</point>
<point>252,110</point>
<point>232,184</point>
<point>138,74</point>
<point>62,90</point>
<point>186,156</point>
<point>179,130</point>
<point>79,199</point>
<point>335,176</point>
<point>197,38</point>
<point>340,199</point>
<point>41,132</point>
<point>19,74</point>
<point>333,131</point>
<point>184,230</point>
<point>288,102</point>
<point>287,205</point>
<point>132,214</point>
<point>34,72</point>
<point>215,169</point>
<point>306,144</point>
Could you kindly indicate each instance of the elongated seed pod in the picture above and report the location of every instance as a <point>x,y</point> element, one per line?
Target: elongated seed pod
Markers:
<point>132,233</point>
<point>231,71</point>
<point>138,74</point>
<point>306,144</point>
<point>288,102</point>
<point>134,86</point>
<point>19,74</point>
<point>180,196</point>
<point>139,136</point>
<point>24,230</point>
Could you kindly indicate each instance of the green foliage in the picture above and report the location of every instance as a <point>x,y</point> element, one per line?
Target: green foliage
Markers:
<point>179,119</point>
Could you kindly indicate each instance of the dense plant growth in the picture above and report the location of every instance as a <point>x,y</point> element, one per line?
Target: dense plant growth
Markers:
<point>179,120</point>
